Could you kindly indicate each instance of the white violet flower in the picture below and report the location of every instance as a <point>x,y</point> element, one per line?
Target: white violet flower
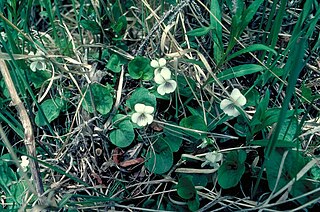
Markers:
<point>24,162</point>
<point>143,115</point>
<point>166,84</point>
<point>228,105</point>
<point>212,158</point>
<point>38,62</point>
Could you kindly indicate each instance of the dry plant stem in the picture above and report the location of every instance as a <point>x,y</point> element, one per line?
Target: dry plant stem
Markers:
<point>28,131</point>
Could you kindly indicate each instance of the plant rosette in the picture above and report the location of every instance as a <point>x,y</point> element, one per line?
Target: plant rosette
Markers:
<point>229,106</point>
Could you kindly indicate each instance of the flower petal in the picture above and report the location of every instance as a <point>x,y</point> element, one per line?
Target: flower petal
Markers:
<point>149,118</point>
<point>139,108</point>
<point>135,117</point>
<point>230,110</point>
<point>162,62</point>
<point>225,103</point>
<point>238,98</point>
<point>170,86</point>
<point>148,110</point>
<point>154,64</point>
<point>142,120</point>
<point>161,89</point>
<point>165,73</point>
<point>33,66</point>
<point>157,71</point>
<point>241,101</point>
<point>159,79</point>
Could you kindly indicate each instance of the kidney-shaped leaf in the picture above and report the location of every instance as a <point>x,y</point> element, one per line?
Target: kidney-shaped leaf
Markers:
<point>102,98</point>
<point>193,123</point>
<point>123,135</point>
<point>232,169</point>
<point>159,158</point>
<point>139,68</point>
<point>51,111</point>
<point>142,95</point>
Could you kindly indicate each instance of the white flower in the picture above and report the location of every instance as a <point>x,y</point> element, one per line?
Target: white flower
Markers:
<point>24,162</point>
<point>143,115</point>
<point>159,65</point>
<point>38,62</point>
<point>212,158</point>
<point>228,105</point>
<point>166,84</point>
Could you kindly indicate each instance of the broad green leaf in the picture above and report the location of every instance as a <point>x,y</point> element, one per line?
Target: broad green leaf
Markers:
<point>293,163</point>
<point>288,129</point>
<point>120,25</point>
<point>102,97</point>
<point>194,204</point>
<point>18,191</point>
<point>194,123</point>
<point>252,48</point>
<point>7,175</point>
<point>199,31</point>
<point>51,111</point>
<point>159,157</point>
<point>114,63</point>
<point>186,86</point>
<point>39,77</point>
<point>142,95</point>
<point>123,135</point>
<point>239,71</point>
<point>186,189</point>
<point>306,93</point>
<point>232,169</point>
<point>91,26</point>
<point>139,68</point>
<point>252,97</point>
<point>198,179</point>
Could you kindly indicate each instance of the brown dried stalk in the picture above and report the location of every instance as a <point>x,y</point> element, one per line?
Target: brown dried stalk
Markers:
<point>28,131</point>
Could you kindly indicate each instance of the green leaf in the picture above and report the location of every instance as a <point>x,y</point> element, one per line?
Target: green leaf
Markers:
<point>139,68</point>
<point>194,123</point>
<point>159,157</point>
<point>186,86</point>
<point>7,175</point>
<point>194,203</point>
<point>199,31</point>
<point>185,188</point>
<point>288,129</point>
<point>306,93</point>
<point>232,169</point>
<point>252,48</point>
<point>142,95</point>
<point>215,24</point>
<point>114,63</point>
<point>91,26</point>
<point>239,71</point>
<point>120,26</point>
<point>173,138</point>
<point>18,191</point>
<point>293,163</point>
<point>51,111</point>
<point>101,96</point>
<point>123,135</point>
<point>39,77</point>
